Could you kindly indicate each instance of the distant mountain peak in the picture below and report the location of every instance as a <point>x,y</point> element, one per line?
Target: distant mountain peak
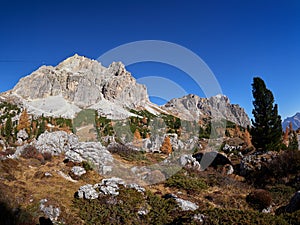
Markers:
<point>295,120</point>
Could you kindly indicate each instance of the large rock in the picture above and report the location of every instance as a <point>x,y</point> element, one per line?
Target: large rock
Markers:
<point>49,210</point>
<point>294,204</point>
<point>110,186</point>
<point>255,162</point>
<point>78,171</point>
<point>215,158</point>
<point>87,192</point>
<point>56,142</point>
<point>185,205</point>
<point>61,142</point>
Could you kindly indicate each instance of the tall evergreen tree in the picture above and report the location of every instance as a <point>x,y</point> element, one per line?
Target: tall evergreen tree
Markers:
<point>8,128</point>
<point>293,145</point>
<point>266,129</point>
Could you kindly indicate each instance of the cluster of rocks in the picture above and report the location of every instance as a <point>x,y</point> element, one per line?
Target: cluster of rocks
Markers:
<point>255,162</point>
<point>189,161</point>
<point>50,211</point>
<point>229,148</point>
<point>109,186</point>
<point>60,142</point>
<point>184,205</point>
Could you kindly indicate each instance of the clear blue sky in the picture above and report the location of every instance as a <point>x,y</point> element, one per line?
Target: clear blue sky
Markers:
<point>237,39</point>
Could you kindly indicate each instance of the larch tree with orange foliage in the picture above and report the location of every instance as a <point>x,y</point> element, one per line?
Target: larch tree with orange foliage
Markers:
<point>285,139</point>
<point>24,122</point>
<point>166,146</point>
<point>247,138</point>
<point>137,139</point>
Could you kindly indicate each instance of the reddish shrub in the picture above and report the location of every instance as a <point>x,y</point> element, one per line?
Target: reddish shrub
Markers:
<point>30,152</point>
<point>259,199</point>
<point>47,156</point>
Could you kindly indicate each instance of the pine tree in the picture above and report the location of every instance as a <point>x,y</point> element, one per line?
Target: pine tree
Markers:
<point>8,128</point>
<point>293,145</point>
<point>266,129</point>
<point>166,146</point>
<point>42,127</point>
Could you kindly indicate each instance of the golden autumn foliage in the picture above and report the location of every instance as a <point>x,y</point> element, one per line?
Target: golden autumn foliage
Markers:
<point>285,139</point>
<point>237,131</point>
<point>24,122</point>
<point>247,138</point>
<point>137,139</point>
<point>166,146</point>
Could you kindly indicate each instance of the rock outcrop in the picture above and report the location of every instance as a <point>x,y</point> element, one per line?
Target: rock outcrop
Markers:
<point>60,142</point>
<point>109,186</point>
<point>185,205</point>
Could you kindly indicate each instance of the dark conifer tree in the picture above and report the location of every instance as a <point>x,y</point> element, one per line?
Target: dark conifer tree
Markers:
<point>266,127</point>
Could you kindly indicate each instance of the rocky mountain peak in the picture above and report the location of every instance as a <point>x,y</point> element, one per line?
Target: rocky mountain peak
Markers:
<point>191,107</point>
<point>77,83</point>
<point>295,120</point>
<point>118,69</point>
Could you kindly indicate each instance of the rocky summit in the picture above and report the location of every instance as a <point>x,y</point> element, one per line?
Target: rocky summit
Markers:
<point>192,106</point>
<point>77,83</point>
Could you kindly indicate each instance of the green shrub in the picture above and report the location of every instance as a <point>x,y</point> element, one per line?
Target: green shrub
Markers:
<point>232,216</point>
<point>187,181</point>
<point>126,152</point>
<point>124,208</point>
<point>87,165</point>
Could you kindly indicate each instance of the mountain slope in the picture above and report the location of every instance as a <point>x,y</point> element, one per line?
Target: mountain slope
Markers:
<point>295,120</point>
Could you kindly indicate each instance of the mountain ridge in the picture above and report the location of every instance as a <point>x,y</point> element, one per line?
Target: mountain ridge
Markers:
<point>295,120</point>
<point>78,83</point>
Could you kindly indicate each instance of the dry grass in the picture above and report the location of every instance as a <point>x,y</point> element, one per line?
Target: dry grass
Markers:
<point>30,185</point>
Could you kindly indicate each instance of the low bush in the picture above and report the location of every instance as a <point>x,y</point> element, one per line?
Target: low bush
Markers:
<point>259,199</point>
<point>187,181</point>
<point>126,152</point>
<point>124,208</point>
<point>30,152</point>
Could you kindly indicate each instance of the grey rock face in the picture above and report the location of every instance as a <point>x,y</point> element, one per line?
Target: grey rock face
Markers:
<point>61,142</point>
<point>110,186</point>
<point>88,192</point>
<point>185,205</point>
<point>254,162</point>
<point>83,82</point>
<point>189,161</point>
<point>22,134</point>
<point>78,171</point>
<point>50,211</point>
<point>56,142</point>
<point>295,120</point>
<point>192,107</point>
